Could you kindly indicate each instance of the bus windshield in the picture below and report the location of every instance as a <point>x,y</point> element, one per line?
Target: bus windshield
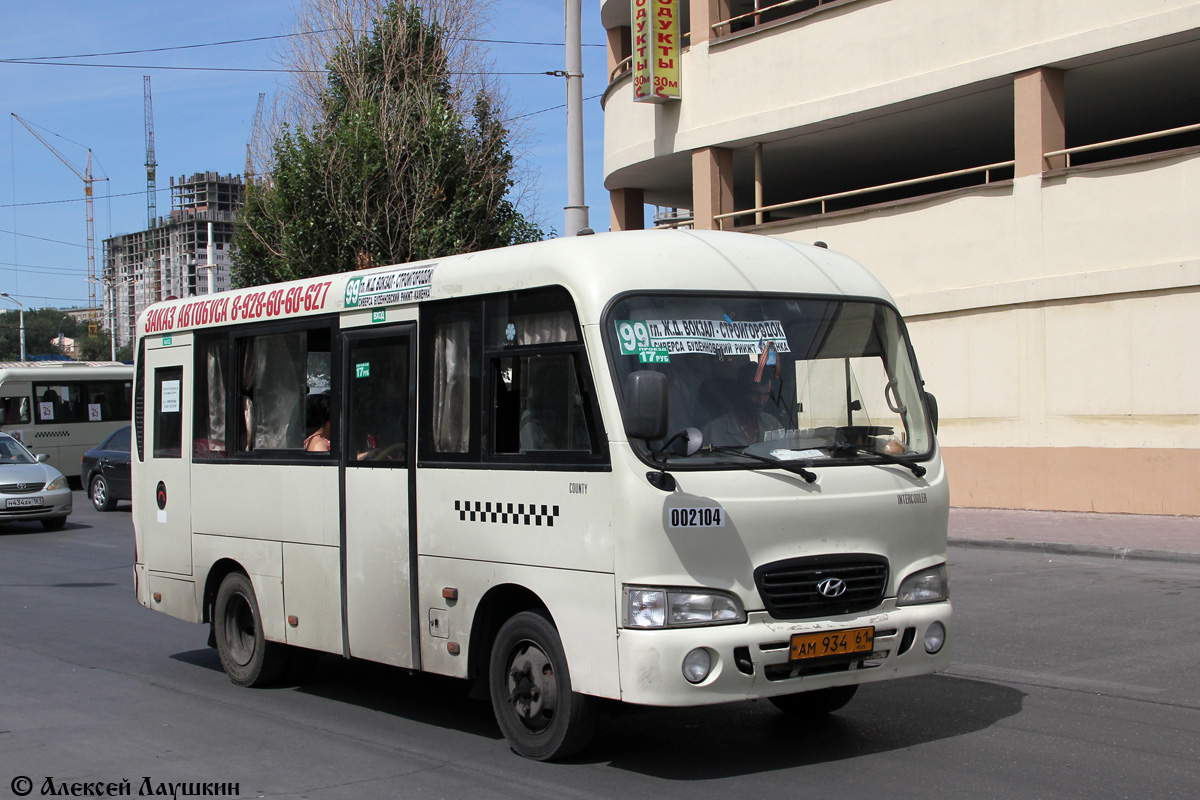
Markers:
<point>791,378</point>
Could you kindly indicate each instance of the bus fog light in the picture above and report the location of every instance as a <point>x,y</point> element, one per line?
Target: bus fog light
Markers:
<point>935,637</point>
<point>697,665</point>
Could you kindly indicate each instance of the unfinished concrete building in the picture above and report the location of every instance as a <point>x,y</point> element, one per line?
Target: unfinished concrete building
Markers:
<point>171,258</point>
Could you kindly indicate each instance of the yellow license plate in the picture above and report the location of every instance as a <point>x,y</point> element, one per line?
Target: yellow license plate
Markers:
<point>832,643</point>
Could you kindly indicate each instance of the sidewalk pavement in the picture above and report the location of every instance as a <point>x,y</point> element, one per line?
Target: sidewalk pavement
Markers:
<point>1124,536</point>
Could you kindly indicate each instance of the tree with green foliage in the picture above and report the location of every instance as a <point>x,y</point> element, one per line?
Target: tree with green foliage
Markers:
<point>399,159</point>
<point>43,327</point>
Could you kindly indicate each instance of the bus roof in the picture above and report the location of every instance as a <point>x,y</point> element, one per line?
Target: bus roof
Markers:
<point>64,370</point>
<point>594,269</point>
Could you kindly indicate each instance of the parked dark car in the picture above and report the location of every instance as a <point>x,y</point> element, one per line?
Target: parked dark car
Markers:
<point>105,470</point>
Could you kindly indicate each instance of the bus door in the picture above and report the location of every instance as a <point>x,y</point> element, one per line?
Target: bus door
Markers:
<point>378,546</point>
<point>165,511</point>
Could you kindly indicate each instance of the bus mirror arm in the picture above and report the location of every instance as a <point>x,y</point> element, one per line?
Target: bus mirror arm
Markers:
<point>685,443</point>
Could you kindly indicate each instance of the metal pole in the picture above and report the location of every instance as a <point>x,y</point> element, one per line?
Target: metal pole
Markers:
<point>576,216</point>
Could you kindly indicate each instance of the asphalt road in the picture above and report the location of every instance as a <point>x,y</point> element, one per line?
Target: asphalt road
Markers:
<point>1073,677</point>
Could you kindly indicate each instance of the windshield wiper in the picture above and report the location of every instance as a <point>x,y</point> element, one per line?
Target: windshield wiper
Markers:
<point>736,450</point>
<point>839,448</point>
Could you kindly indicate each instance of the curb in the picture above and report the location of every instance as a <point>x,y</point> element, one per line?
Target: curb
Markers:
<point>1096,550</point>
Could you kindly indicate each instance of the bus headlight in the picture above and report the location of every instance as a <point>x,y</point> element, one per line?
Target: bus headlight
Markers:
<point>927,586</point>
<point>670,608</point>
<point>58,483</point>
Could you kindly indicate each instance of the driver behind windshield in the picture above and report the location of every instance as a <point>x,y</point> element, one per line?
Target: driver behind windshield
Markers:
<point>747,421</point>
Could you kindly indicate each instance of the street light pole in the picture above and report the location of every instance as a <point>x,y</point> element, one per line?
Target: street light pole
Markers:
<point>576,216</point>
<point>21,316</point>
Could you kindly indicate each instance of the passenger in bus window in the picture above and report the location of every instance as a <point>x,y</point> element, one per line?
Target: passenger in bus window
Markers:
<point>318,416</point>
<point>747,421</point>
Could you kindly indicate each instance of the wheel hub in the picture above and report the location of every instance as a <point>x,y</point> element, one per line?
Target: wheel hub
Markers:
<point>532,688</point>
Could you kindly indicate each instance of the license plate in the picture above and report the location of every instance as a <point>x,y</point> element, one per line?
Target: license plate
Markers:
<point>832,643</point>
<point>24,502</point>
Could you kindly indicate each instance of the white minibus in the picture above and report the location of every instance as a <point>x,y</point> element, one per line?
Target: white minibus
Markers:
<point>656,468</point>
<point>64,408</point>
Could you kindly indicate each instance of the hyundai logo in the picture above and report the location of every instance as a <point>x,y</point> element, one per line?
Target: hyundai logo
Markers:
<point>832,587</point>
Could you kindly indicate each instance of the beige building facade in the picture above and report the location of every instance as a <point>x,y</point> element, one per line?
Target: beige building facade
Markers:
<point>1023,176</point>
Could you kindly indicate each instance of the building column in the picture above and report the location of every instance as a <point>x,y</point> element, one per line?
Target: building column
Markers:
<point>704,14</point>
<point>712,186</point>
<point>627,209</point>
<point>1039,112</point>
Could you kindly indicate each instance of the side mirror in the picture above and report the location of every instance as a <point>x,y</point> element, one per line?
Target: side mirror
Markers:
<point>645,405</point>
<point>931,402</point>
<point>42,457</point>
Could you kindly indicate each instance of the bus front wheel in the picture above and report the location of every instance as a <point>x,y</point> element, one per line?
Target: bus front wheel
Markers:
<point>539,714</point>
<point>817,702</point>
<point>248,658</point>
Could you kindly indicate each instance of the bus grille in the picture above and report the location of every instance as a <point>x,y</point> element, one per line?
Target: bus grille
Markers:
<point>21,488</point>
<point>789,588</point>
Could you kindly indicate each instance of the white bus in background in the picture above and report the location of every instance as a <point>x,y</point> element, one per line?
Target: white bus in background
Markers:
<point>64,408</point>
<point>518,487</point>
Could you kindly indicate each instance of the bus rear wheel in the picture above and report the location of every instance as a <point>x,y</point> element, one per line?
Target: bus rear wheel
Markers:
<point>539,714</point>
<point>248,658</point>
<point>817,702</point>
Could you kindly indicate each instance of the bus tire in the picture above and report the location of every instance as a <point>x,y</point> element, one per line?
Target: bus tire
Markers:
<point>246,655</point>
<point>539,714</point>
<point>102,498</point>
<point>817,702</point>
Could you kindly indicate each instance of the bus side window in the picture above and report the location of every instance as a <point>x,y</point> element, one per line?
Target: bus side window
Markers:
<point>16,410</point>
<point>212,367</point>
<point>168,412</point>
<point>276,373</point>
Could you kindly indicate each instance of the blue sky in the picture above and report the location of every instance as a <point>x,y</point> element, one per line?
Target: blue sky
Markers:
<point>202,119</point>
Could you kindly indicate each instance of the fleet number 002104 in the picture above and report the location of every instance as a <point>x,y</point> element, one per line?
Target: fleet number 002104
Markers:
<point>697,517</point>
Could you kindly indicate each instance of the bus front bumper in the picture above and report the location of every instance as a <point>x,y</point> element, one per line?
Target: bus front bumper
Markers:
<point>753,659</point>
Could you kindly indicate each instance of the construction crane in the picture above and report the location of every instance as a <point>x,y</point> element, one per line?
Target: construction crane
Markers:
<point>86,176</point>
<point>151,164</point>
<point>151,197</point>
<point>254,134</point>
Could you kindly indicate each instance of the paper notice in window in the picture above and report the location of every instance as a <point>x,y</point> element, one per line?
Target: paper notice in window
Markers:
<point>93,412</point>
<point>169,401</point>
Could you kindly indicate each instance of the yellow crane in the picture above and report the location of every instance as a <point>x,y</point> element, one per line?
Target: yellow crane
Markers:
<point>86,176</point>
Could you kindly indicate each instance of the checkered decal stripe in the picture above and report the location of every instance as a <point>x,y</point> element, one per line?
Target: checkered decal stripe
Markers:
<point>534,514</point>
<point>50,434</point>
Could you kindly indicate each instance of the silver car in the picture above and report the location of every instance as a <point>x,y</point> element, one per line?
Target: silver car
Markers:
<point>29,489</point>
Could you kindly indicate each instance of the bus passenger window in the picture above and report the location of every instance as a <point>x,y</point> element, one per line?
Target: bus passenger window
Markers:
<point>208,435</point>
<point>168,412</point>
<point>538,406</point>
<point>276,373</point>
<point>16,410</point>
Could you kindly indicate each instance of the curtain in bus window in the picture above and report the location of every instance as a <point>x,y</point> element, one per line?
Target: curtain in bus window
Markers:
<point>279,387</point>
<point>550,327</point>
<point>213,432</point>
<point>452,387</point>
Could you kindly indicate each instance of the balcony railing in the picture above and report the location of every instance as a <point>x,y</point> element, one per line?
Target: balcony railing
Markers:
<point>761,8</point>
<point>1144,137</point>
<point>986,170</point>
